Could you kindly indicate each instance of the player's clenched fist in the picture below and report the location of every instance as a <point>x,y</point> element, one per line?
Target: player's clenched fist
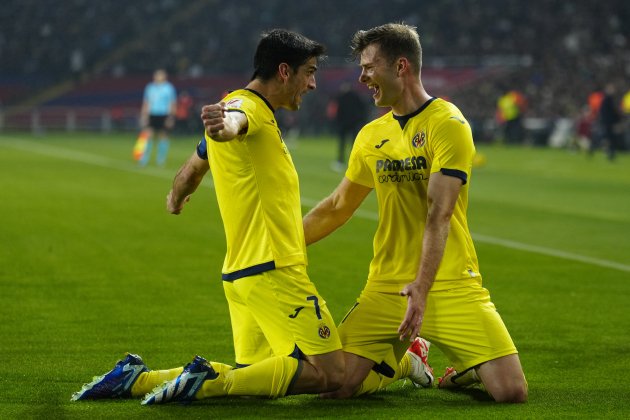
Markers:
<point>213,117</point>
<point>221,124</point>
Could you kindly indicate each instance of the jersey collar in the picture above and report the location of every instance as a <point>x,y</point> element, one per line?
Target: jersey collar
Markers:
<point>402,120</point>
<point>263,98</point>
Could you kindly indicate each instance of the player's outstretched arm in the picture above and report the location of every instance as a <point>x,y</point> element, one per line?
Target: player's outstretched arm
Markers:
<point>334,211</point>
<point>222,125</point>
<point>185,183</point>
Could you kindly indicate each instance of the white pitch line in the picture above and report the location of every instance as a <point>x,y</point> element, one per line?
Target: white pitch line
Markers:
<point>550,252</point>
<point>92,159</point>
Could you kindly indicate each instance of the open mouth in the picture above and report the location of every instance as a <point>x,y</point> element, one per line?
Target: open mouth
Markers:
<point>376,89</point>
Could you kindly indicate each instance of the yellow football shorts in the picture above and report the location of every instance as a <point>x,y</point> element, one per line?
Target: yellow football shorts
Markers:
<point>462,322</point>
<point>275,311</point>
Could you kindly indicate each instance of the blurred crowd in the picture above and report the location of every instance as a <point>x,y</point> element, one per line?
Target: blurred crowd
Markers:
<point>53,39</point>
<point>556,52</point>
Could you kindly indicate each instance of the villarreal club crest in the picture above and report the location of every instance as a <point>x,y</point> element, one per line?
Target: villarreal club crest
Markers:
<point>419,139</point>
<point>324,331</point>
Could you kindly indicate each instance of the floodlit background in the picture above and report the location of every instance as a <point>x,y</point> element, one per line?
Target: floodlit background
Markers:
<point>82,65</point>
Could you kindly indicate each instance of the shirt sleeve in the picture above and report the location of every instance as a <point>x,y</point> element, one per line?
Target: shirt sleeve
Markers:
<point>246,106</point>
<point>453,149</point>
<point>358,169</point>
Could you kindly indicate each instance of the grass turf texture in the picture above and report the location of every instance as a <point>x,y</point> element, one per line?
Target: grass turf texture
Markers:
<point>91,266</point>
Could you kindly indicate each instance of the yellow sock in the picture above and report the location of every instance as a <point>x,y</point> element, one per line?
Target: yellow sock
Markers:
<point>376,382</point>
<point>221,368</point>
<point>270,378</point>
<point>148,380</point>
<point>404,366</point>
<point>369,385</point>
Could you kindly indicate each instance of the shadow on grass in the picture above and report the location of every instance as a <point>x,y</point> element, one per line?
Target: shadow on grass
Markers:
<point>388,404</point>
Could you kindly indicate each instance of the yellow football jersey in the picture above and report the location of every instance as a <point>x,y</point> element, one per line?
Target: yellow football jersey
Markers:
<point>396,156</point>
<point>258,192</point>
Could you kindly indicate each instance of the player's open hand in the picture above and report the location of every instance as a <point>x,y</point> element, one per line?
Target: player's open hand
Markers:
<point>410,326</point>
<point>213,117</point>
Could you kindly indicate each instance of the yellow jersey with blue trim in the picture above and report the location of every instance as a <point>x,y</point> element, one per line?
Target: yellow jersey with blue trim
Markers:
<point>257,191</point>
<point>396,156</point>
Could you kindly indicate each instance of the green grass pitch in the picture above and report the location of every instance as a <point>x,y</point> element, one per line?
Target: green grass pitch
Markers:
<point>92,266</point>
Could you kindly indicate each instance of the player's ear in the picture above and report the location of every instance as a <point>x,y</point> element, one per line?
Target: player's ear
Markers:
<point>402,65</point>
<point>283,71</point>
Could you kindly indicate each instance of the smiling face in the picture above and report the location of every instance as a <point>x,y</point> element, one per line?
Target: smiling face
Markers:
<point>299,83</point>
<point>380,75</point>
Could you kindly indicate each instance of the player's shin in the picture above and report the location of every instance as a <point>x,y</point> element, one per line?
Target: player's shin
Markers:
<point>148,380</point>
<point>270,378</point>
<point>377,382</point>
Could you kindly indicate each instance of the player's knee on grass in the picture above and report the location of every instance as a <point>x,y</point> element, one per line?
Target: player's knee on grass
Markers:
<point>322,373</point>
<point>515,392</point>
<point>333,381</point>
<point>507,389</point>
<point>334,376</point>
<point>504,380</point>
<point>342,393</point>
<point>330,370</point>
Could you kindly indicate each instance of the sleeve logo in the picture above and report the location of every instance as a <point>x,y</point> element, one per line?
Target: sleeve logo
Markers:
<point>234,103</point>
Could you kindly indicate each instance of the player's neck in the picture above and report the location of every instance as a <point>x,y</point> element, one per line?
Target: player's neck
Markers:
<point>268,90</point>
<point>411,99</point>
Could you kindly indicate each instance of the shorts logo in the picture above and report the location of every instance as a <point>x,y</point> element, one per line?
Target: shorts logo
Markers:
<point>297,311</point>
<point>234,103</point>
<point>419,139</point>
<point>324,331</point>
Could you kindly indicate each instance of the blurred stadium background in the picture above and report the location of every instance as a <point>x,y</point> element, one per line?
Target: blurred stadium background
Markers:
<point>82,65</point>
